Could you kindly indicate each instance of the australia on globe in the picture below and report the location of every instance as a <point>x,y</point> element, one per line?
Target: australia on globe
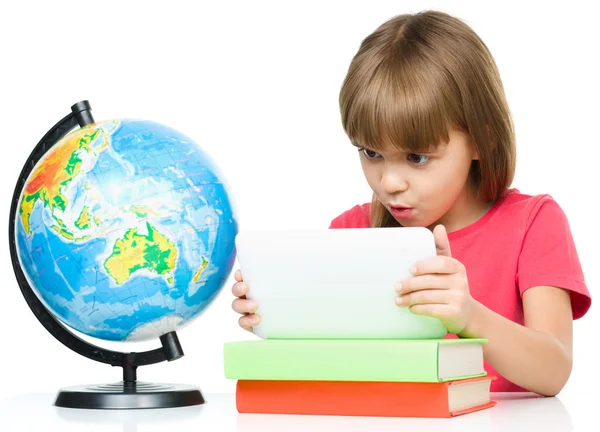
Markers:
<point>126,230</point>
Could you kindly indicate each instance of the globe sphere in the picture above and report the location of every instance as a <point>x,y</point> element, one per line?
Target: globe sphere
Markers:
<point>125,230</point>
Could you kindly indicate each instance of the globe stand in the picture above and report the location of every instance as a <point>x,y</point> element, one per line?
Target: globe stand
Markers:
<point>128,393</point>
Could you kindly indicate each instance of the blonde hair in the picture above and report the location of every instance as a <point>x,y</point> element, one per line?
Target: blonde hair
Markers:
<point>418,75</point>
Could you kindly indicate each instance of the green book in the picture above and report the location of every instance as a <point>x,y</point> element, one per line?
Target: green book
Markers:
<point>422,360</point>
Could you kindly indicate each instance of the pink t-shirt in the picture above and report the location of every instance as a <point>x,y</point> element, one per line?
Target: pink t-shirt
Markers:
<point>521,242</point>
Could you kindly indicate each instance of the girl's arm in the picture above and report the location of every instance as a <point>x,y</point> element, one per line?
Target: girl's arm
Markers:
<point>537,356</point>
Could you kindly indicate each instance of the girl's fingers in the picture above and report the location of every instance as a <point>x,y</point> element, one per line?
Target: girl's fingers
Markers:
<point>427,296</point>
<point>249,321</point>
<point>428,281</point>
<point>239,289</point>
<point>238,275</point>
<point>438,264</point>
<point>244,306</point>
<point>433,310</point>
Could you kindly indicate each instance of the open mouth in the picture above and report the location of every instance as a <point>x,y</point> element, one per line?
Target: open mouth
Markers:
<point>401,212</point>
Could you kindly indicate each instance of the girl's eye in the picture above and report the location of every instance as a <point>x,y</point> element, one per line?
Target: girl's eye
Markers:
<point>413,158</point>
<point>418,159</point>
<point>369,154</point>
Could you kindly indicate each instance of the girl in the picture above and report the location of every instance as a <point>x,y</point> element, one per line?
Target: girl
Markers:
<point>424,105</point>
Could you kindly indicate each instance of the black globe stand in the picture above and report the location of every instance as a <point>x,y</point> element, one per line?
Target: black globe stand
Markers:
<point>128,393</point>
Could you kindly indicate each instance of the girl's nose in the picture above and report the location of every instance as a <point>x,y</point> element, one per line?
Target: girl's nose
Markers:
<point>393,180</point>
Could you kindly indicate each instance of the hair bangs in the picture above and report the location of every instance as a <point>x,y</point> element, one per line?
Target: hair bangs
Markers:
<point>400,106</point>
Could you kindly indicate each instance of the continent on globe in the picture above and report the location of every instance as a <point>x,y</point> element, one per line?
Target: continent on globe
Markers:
<point>136,251</point>
<point>59,169</point>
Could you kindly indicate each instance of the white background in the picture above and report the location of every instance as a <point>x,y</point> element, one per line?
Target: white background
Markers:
<point>256,84</point>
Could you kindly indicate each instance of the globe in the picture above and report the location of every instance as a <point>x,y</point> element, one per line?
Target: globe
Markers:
<point>125,230</point>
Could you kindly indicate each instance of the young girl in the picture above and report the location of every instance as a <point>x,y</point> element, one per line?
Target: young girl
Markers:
<point>424,105</point>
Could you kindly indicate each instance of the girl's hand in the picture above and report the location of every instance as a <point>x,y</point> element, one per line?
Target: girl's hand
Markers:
<point>244,306</point>
<point>439,287</point>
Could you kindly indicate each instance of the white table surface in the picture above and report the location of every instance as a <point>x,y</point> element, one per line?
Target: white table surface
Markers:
<point>514,412</point>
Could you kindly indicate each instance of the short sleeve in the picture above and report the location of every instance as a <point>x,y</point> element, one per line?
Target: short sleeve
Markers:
<point>356,217</point>
<point>549,257</point>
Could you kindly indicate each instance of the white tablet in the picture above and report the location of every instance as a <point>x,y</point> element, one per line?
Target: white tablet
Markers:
<point>334,283</point>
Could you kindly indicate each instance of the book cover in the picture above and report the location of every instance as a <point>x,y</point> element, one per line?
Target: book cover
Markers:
<point>347,398</point>
<point>421,360</point>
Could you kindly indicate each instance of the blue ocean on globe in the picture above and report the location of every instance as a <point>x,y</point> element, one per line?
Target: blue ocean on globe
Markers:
<point>126,230</point>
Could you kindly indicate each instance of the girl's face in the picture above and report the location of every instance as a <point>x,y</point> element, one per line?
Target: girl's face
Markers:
<point>433,186</point>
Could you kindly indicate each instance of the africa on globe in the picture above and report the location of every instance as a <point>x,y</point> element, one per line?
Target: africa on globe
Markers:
<point>125,230</point>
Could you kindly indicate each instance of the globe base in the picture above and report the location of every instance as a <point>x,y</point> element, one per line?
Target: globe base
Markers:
<point>129,395</point>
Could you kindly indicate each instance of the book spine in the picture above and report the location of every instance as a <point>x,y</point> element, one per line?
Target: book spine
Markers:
<point>331,362</point>
<point>343,398</point>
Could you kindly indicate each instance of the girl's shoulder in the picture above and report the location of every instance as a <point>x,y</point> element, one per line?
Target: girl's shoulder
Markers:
<point>528,207</point>
<point>356,217</point>
<point>512,215</point>
<point>546,253</point>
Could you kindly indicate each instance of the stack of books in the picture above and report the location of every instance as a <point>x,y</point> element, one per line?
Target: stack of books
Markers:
<point>368,377</point>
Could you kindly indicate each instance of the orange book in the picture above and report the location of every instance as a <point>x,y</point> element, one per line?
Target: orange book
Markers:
<point>363,398</point>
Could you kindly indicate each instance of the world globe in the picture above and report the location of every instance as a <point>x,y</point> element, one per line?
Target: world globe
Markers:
<point>125,230</point>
